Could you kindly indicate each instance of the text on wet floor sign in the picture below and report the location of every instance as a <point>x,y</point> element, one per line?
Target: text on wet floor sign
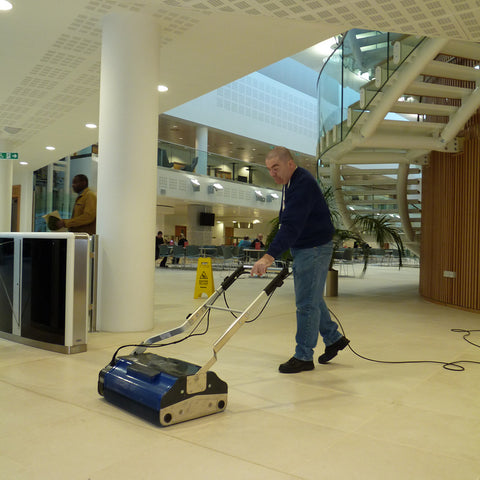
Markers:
<point>204,281</point>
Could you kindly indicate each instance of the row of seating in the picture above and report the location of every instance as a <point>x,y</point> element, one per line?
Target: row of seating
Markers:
<point>223,257</point>
<point>346,258</point>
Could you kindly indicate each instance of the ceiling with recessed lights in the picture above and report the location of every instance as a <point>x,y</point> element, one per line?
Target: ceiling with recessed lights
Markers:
<point>49,87</point>
<point>50,81</point>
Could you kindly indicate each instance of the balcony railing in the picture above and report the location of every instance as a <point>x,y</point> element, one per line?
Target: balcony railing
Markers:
<point>180,157</point>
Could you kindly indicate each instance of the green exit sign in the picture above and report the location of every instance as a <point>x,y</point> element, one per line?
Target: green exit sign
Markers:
<point>8,156</point>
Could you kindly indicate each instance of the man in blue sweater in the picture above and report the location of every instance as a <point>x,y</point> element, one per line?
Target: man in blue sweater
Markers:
<point>305,229</point>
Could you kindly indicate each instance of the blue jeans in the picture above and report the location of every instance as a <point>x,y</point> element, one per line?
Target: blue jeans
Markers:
<point>310,268</point>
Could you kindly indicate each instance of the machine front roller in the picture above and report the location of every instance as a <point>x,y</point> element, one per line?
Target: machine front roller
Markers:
<point>166,391</point>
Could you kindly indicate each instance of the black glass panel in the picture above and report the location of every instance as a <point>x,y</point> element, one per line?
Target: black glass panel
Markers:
<point>6,284</point>
<point>43,289</point>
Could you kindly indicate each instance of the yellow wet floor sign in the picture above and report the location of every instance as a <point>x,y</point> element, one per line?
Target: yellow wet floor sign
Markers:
<point>204,281</point>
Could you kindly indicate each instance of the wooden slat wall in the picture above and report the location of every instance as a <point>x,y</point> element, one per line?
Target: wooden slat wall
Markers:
<point>451,224</point>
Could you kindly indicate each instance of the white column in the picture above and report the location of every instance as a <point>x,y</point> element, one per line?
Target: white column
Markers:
<point>6,182</point>
<point>127,172</point>
<point>201,145</point>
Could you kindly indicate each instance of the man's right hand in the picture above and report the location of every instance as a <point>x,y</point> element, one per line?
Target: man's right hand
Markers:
<point>260,267</point>
<point>53,223</point>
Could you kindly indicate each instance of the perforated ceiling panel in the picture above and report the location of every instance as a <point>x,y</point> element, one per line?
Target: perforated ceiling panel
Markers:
<point>66,73</point>
<point>453,18</point>
<point>69,71</point>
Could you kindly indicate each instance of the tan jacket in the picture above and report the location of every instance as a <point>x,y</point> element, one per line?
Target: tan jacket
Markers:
<point>84,213</point>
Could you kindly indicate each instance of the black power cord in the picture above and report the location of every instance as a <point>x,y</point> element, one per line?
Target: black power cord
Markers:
<point>191,334</point>
<point>259,313</point>
<point>158,345</point>
<point>452,366</point>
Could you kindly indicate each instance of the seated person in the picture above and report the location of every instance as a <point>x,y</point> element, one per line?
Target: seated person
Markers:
<point>245,243</point>
<point>159,240</point>
<point>258,240</point>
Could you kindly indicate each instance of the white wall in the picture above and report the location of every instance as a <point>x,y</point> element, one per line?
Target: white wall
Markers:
<point>258,107</point>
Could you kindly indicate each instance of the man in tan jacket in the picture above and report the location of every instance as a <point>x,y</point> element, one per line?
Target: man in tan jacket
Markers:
<point>85,209</point>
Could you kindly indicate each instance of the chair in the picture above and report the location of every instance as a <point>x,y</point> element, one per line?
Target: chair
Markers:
<point>178,252</point>
<point>376,255</point>
<point>210,251</point>
<point>162,159</point>
<point>229,259</point>
<point>191,167</point>
<point>192,252</point>
<point>163,250</point>
<point>347,260</point>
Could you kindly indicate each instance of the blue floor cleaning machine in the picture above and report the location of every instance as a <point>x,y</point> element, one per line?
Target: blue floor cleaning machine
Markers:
<point>167,391</point>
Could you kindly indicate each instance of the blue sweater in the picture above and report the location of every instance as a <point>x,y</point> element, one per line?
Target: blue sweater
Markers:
<point>305,218</point>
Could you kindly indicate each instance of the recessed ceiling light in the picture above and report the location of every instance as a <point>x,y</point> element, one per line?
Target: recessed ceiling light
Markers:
<point>162,88</point>
<point>5,5</point>
<point>50,148</point>
<point>90,125</point>
<point>23,163</point>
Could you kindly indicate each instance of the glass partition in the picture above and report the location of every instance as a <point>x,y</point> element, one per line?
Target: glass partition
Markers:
<point>52,192</point>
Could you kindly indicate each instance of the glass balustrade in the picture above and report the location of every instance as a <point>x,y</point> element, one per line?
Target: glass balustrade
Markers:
<point>353,75</point>
<point>187,159</point>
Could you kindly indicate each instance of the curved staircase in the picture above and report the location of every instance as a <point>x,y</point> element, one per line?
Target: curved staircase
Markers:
<point>413,96</point>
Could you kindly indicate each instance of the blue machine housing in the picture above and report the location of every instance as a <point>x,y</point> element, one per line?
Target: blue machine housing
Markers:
<point>151,386</point>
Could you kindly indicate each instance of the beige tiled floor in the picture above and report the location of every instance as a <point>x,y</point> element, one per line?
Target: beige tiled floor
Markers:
<point>351,419</point>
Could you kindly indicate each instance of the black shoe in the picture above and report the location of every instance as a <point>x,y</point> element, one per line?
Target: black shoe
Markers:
<point>332,350</point>
<point>163,266</point>
<point>294,365</point>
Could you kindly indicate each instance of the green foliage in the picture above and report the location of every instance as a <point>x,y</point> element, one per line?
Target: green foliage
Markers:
<point>377,226</point>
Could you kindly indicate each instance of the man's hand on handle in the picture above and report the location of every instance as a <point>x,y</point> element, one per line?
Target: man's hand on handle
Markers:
<point>260,267</point>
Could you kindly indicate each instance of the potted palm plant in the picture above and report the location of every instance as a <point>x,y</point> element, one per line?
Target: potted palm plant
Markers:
<point>377,227</point>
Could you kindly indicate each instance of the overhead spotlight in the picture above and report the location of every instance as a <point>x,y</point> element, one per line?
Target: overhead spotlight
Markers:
<point>23,163</point>
<point>195,184</point>
<point>162,88</point>
<point>271,197</point>
<point>49,147</point>
<point>256,221</point>
<point>212,188</point>
<point>5,5</point>
<point>259,196</point>
<point>91,125</point>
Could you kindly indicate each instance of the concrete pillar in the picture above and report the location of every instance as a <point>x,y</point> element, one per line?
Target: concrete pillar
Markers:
<point>6,183</point>
<point>127,173</point>
<point>201,146</point>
